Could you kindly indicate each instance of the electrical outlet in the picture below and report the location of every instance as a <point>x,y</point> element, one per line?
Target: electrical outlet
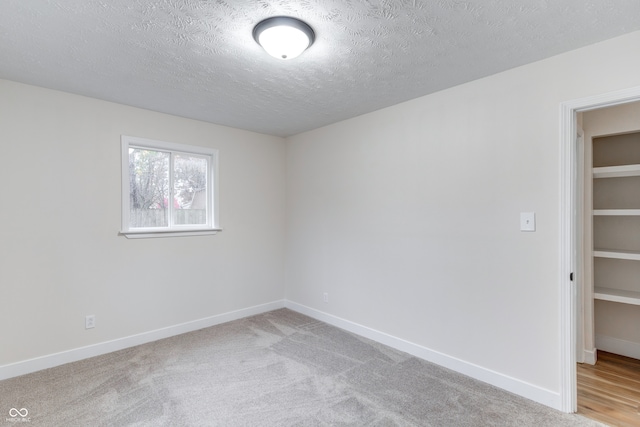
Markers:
<point>325,297</point>
<point>90,321</point>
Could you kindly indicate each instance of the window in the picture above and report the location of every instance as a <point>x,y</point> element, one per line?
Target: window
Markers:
<point>168,189</point>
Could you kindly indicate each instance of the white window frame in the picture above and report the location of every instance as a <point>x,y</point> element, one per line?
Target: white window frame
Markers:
<point>212,225</point>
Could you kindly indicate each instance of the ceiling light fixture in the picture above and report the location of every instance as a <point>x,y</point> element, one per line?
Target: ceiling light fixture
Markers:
<point>283,37</point>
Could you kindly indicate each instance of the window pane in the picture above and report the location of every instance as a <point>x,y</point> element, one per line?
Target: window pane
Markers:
<point>149,192</point>
<point>190,189</point>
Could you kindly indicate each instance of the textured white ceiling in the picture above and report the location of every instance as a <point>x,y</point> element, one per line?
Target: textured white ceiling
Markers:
<point>197,58</point>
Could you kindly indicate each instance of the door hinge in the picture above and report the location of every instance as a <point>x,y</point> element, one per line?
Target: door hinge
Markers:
<point>571,276</point>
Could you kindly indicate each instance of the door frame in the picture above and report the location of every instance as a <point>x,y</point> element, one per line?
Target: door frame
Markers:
<point>569,211</point>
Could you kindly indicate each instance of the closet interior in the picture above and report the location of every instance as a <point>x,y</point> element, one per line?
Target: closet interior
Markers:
<point>609,316</point>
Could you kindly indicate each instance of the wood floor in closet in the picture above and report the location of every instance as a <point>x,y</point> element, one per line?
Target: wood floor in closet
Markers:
<point>609,391</point>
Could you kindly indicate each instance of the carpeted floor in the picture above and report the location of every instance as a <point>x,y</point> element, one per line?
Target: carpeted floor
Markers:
<point>275,369</point>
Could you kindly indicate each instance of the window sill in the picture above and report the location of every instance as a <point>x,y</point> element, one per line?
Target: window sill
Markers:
<point>148,234</point>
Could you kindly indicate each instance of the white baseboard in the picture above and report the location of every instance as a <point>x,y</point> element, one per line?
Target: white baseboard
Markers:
<point>590,356</point>
<point>57,359</point>
<point>618,346</point>
<point>519,387</point>
<point>513,385</point>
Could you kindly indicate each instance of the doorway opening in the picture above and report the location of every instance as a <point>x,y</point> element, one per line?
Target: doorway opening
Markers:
<point>572,291</point>
<point>608,380</point>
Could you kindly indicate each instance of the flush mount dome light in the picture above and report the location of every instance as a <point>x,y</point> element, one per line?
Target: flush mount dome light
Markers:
<point>283,37</point>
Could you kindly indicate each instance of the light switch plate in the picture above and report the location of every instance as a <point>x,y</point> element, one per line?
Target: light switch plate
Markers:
<point>527,221</point>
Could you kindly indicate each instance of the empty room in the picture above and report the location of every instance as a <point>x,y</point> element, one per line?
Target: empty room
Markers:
<point>410,213</point>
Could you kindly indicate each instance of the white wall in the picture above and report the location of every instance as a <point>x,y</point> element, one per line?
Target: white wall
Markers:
<point>408,217</point>
<point>61,257</point>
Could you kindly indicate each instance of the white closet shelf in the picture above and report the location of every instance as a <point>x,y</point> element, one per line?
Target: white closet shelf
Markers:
<point>616,212</point>
<point>617,254</point>
<point>617,295</point>
<point>616,171</point>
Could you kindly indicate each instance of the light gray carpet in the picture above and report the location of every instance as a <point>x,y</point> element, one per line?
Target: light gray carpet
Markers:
<point>275,369</point>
